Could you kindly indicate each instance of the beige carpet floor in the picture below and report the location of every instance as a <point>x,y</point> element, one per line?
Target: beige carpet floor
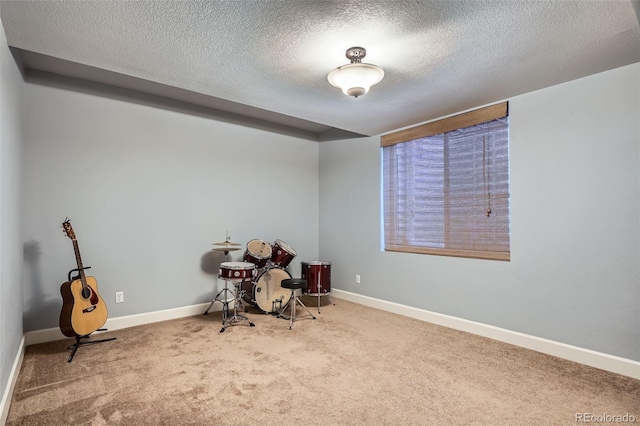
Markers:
<point>354,365</point>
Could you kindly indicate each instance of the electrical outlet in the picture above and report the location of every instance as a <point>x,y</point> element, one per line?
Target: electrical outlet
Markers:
<point>119,296</point>
<point>357,279</point>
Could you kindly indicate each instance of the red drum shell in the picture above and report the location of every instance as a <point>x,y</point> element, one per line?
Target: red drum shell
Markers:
<point>318,276</point>
<point>282,254</point>
<point>265,292</point>
<point>260,263</point>
<point>237,271</point>
<point>258,252</point>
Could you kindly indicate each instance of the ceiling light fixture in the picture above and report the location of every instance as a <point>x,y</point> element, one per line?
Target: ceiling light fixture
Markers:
<point>355,78</point>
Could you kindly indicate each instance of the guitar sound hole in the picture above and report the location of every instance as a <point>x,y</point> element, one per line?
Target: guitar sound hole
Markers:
<point>86,292</point>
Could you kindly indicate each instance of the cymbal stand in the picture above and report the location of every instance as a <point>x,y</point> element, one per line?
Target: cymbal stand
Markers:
<point>224,291</point>
<point>235,318</point>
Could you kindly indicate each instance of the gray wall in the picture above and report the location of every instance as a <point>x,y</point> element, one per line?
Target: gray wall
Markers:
<point>11,92</point>
<point>148,190</point>
<point>574,274</point>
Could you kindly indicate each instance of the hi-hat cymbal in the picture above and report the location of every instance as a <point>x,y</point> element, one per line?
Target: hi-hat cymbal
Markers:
<point>225,248</point>
<point>226,243</point>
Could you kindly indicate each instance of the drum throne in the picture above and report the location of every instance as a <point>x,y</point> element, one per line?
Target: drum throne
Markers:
<point>293,284</point>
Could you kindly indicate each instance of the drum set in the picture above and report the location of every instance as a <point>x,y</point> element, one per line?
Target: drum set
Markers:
<point>257,279</point>
<point>271,262</point>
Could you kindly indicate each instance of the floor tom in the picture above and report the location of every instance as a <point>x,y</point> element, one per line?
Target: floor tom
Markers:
<point>318,276</point>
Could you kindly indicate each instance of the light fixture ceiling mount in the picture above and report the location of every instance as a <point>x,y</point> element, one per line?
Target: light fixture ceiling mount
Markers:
<point>355,78</point>
<point>355,54</point>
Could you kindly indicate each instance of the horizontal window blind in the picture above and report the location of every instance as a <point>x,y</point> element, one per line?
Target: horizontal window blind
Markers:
<point>445,125</point>
<point>448,193</point>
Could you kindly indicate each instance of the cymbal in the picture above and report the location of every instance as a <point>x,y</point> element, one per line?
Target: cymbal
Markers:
<point>226,243</point>
<point>225,248</point>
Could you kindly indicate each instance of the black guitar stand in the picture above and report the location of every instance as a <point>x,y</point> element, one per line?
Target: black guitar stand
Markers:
<point>78,343</point>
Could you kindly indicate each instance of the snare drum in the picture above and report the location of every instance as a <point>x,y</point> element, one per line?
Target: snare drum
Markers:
<point>318,276</point>
<point>282,254</point>
<point>258,252</point>
<point>266,292</point>
<point>237,271</point>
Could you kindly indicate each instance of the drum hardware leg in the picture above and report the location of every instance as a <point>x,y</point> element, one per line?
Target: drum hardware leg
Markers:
<point>225,290</point>
<point>324,294</point>
<point>284,308</point>
<point>216,299</point>
<point>295,300</point>
<point>224,301</point>
<point>331,299</point>
<point>319,286</point>
<point>293,313</point>
<point>240,303</point>
<point>212,302</point>
<point>319,294</point>
<point>236,318</point>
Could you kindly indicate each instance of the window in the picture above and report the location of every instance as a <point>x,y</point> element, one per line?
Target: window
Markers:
<point>446,186</point>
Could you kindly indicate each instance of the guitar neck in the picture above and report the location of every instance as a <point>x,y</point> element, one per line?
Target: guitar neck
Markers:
<point>76,250</point>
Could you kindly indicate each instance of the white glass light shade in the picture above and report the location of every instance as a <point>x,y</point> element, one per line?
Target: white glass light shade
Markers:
<point>355,79</point>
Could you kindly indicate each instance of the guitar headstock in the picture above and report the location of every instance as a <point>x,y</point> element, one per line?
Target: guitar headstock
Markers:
<point>68,229</point>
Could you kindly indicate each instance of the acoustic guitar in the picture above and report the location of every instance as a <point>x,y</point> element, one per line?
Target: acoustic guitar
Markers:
<point>83,310</point>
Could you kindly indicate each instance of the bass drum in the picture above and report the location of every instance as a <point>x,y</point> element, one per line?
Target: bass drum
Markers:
<point>266,292</point>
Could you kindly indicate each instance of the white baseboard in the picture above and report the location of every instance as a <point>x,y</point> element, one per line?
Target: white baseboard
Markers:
<point>117,323</point>
<point>599,360</point>
<point>157,316</point>
<point>11,383</point>
<point>615,364</point>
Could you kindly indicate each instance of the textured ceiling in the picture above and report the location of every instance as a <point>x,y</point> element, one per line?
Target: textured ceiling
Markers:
<point>270,59</point>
